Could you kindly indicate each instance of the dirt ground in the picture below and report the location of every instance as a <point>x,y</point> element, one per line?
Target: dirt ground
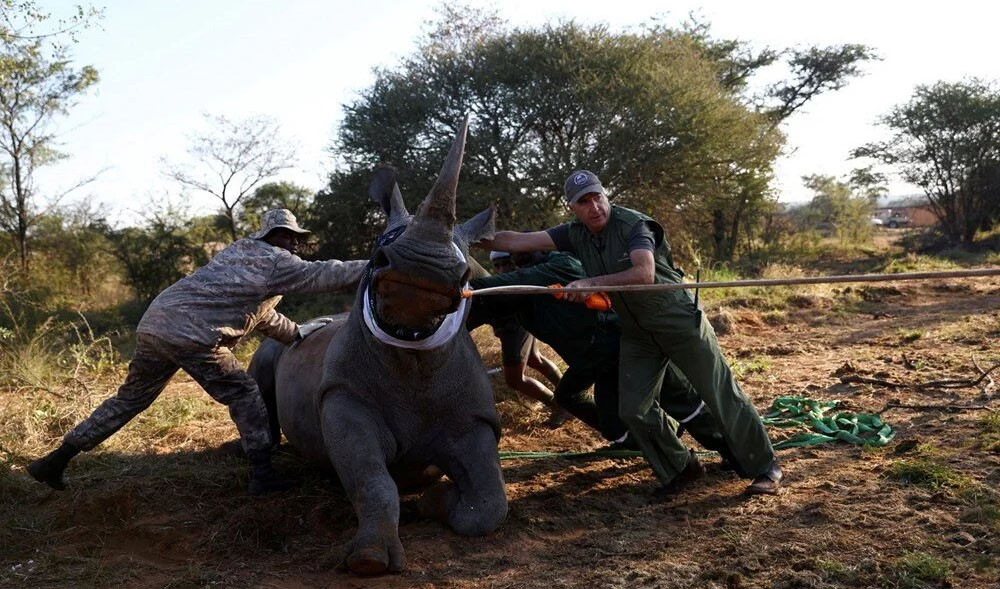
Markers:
<point>921,512</point>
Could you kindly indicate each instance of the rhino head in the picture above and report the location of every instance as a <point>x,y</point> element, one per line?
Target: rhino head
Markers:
<point>417,278</point>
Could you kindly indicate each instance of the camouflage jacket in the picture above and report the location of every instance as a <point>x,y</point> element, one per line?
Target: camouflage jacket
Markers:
<point>236,292</point>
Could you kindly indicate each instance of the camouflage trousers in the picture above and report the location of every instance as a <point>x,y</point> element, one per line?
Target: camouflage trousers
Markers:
<point>155,362</point>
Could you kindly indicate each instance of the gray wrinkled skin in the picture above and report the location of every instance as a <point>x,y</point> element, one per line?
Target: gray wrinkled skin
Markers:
<point>380,414</point>
<point>236,292</point>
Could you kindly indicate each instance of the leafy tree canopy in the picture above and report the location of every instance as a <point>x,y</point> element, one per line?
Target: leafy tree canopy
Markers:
<point>946,140</point>
<point>658,113</point>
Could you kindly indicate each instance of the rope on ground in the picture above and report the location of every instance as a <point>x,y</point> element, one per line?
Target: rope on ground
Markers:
<point>864,429</point>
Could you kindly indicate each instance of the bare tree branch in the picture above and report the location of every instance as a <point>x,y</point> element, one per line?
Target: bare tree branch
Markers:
<point>239,154</point>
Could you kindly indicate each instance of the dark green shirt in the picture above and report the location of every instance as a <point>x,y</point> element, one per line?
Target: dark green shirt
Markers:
<point>570,328</point>
<point>608,252</point>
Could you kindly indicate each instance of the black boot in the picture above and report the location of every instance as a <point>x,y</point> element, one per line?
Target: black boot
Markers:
<point>767,483</point>
<point>49,469</point>
<point>263,478</point>
<point>692,472</point>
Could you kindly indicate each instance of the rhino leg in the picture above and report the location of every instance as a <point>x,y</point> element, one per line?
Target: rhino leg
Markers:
<point>474,501</point>
<point>358,443</point>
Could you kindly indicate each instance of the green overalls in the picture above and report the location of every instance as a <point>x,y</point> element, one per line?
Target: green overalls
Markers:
<point>658,327</point>
<point>588,341</point>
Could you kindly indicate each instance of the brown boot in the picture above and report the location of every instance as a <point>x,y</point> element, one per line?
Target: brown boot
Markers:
<point>767,483</point>
<point>692,472</point>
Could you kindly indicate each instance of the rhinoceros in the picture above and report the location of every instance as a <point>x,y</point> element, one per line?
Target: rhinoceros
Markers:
<point>397,387</point>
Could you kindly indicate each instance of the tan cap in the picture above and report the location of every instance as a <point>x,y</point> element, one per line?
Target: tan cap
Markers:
<point>278,219</point>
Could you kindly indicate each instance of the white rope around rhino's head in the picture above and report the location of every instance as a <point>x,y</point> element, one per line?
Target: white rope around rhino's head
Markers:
<point>441,335</point>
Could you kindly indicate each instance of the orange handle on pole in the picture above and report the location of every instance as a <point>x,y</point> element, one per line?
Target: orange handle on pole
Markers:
<point>598,301</point>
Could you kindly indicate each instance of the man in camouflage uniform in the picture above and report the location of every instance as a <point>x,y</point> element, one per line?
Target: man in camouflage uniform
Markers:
<point>194,324</point>
<point>620,246</point>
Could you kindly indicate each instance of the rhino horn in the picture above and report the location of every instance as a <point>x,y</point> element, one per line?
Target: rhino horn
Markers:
<point>435,218</point>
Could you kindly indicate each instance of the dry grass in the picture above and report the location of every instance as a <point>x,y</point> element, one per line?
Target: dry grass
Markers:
<point>159,505</point>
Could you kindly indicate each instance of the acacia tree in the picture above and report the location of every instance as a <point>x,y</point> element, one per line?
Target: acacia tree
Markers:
<point>946,140</point>
<point>658,113</point>
<point>813,71</point>
<point>231,159</point>
<point>38,83</point>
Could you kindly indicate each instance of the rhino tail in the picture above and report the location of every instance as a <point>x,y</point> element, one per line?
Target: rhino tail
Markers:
<point>262,369</point>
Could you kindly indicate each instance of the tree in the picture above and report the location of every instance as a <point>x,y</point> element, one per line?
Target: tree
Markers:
<point>159,253</point>
<point>277,195</point>
<point>658,113</point>
<point>946,140</point>
<point>814,71</point>
<point>38,83</point>
<point>231,159</point>
<point>77,253</point>
<point>24,20</point>
<point>838,208</point>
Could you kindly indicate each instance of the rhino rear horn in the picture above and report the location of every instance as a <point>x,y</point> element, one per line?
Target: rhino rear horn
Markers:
<point>437,213</point>
<point>480,227</point>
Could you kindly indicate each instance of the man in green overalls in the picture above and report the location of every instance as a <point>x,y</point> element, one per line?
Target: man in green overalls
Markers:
<point>618,246</point>
<point>587,340</point>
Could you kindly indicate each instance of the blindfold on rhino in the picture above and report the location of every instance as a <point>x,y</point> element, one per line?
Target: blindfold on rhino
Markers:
<point>411,301</point>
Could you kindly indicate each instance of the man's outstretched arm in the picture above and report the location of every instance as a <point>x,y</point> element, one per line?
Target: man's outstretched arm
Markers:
<point>643,271</point>
<point>519,241</point>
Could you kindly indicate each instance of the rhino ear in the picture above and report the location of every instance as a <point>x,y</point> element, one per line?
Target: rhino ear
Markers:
<point>482,226</point>
<point>385,191</point>
<point>382,185</point>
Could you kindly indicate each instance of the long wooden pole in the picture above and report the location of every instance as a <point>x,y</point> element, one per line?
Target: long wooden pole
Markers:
<point>524,289</point>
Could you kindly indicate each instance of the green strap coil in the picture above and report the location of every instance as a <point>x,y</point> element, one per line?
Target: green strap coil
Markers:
<point>853,428</point>
<point>863,429</point>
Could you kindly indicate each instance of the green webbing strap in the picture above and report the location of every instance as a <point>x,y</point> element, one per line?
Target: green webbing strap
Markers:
<point>594,454</point>
<point>853,428</point>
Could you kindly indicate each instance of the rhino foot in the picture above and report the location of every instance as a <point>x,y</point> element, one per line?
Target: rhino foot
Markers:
<point>373,557</point>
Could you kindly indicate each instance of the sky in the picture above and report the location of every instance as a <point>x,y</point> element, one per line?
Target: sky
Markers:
<point>163,64</point>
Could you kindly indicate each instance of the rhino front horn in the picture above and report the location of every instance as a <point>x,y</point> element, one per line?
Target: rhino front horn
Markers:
<point>436,215</point>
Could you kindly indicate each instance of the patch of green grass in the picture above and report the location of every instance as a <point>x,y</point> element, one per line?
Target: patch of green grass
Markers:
<point>755,365</point>
<point>987,515</point>
<point>169,412</point>
<point>777,299</point>
<point>910,335</point>
<point>832,570</point>
<point>928,449</point>
<point>774,317</point>
<point>918,263</point>
<point>914,569</point>
<point>989,426</point>
<point>873,450</point>
<point>927,473</point>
